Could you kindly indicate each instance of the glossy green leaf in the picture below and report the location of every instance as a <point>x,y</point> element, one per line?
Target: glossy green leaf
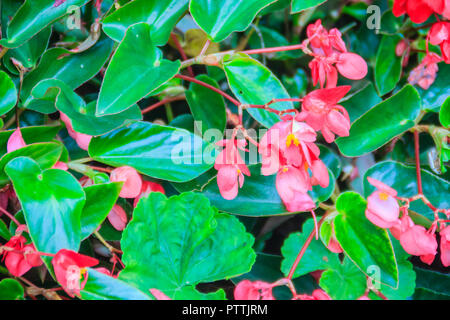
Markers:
<point>388,67</point>
<point>435,96</point>
<point>382,123</point>
<point>444,114</point>
<point>161,16</point>
<point>72,68</point>
<point>11,289</point>
<point>100,286</point>
<point>8,93</point>
<point>344,281</point>
<point>300,5</point>
<point>403,179</point>
<point>100,198</point>
<point>390,24</point>
<point>157,151</point>
<point>181,241</point>
<point>4,232</point>
<point>190,293</point>
<point>253,83</point>
<point>46,154</point>
<point>436,282</point>
<point>52,201</point>
<point>367,245</point>
<point>316,256</point>
<point>32,17</point>
<point>207,106</point>
<point>361,101</point>
<point>82,115</point>
<point>136,69</point>
<point>220,18</point>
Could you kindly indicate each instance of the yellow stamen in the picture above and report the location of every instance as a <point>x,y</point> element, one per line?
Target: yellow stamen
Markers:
<point>306,166</point>
<point>238,171</point>
<point>383,196</point>
<point>83,271</point>
<point>285,169</point>
<point>291,138</point>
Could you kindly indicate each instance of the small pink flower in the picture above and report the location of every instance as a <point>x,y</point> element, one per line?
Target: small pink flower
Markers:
<point>23,258</point>
<point>425,73</point>
<point>445,246</point>
<point>118,217</point>
<point>351,66</point>
<point>15,141</point>
<point>292,185</point>
<point>418,242</point>
<point>231,168</point>
<point>258,290</point>
<point>147,187</point>
<point>382,208</point>
<point>400,226</point>
<point>132,185</point>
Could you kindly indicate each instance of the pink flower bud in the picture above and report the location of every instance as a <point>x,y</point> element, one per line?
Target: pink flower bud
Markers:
<point>352,66</point>
<point>418,242</point>
<point>132,181</point>
<point>400,226</point>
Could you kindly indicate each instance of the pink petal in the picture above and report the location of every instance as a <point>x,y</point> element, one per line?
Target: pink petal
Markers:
<point>132,181</point>
<point>382,210</point>
<point>15,141</point>
<point>418,242</point>
<point>352,66</point>
<point>338,123</point>
<point>382,187</point>
<point>227,177</point>
<point>118,217</point>
<point>320,173</point>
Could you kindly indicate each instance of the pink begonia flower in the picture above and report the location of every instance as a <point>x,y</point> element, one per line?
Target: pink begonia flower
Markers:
<point>418,242</point>
<point>23,258</point>
<point>159,295</point>
<point>317,294</point>
<point>418,10</point>
<point>321,111</point>
<point>231,167</point>
<point>425,73</point>
<point>118,217</point>
<point>257,290</point>
<point>147,187</point>
<point>382,208</point>
<point>400,226</point>
<point>292,185</point>
<point>440,36</point>
<point>15,141</point>
<point>445,246</point>
<point>132,181</point>
<point>81,139</point>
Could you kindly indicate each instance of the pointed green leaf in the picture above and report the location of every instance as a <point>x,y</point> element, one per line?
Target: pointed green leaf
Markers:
<point>388,66</point>
<point>136,69</point>
<point>8,93</point>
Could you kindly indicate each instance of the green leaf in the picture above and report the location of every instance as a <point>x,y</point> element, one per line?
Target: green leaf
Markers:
<point>182,241</point>
<point>72,68</point>
<point>344,281</point>
<point>100,286</point>
<point>388,66</point>
<point>444,114</point>
<point>364,243</point>
<point>394,174</point>
<point>220,18</point>
<point>46,154</point>
<point>81,115</point>
<point>8,93</point>
<point>435,96</point>
<point>100,198</point>
<point>11,289</point>
<point>4,232</point>
<point>157,151</point>
<point>136,69</point>
<point>382,123</point>
<point>436,282</point>
<point>361,101</point>
<point>52,201</point>
<point>190,293</point>
<point>33,17</point>
<point>161,16</point>
<point>207,106</point>
<point>300,5</point>
<point>316,256</point>
<point>253,83</point>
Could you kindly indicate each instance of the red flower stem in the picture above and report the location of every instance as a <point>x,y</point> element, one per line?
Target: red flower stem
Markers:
<point>417,149</point>
<point>9,215</point>
<point>182,53</point>
<point>225,95</point>
<point>303,250</point>
<point>162,102</point>
<point>107,170</point>
<point>275,49</point>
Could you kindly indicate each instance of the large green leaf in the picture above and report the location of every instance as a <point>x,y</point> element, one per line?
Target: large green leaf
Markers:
<point>444,114</point>
<point>81,115</point>
<point>11,289</point>
<point>161,16</point>
<point>100,198</point>
<point>181,241</point>
<point>388,67</point>
<point>361,101</point>
<point>253,83</point>
<point>52,201</point>
<point>136,69</point>
<point>403,179</point>
<point>434,96</point>
<point>100,286</point>
<point>158,151</point>
<point>382,123</point>
<point>34,16</point>
<point>364,243</point>
<point>436,282</point>
<point>220,18</point>
<point>316,256</point>
<point>207,106</point>
<point>72,68</point>
<point>46,154</point>
<point>8,93</point>
<point>300,5</point>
